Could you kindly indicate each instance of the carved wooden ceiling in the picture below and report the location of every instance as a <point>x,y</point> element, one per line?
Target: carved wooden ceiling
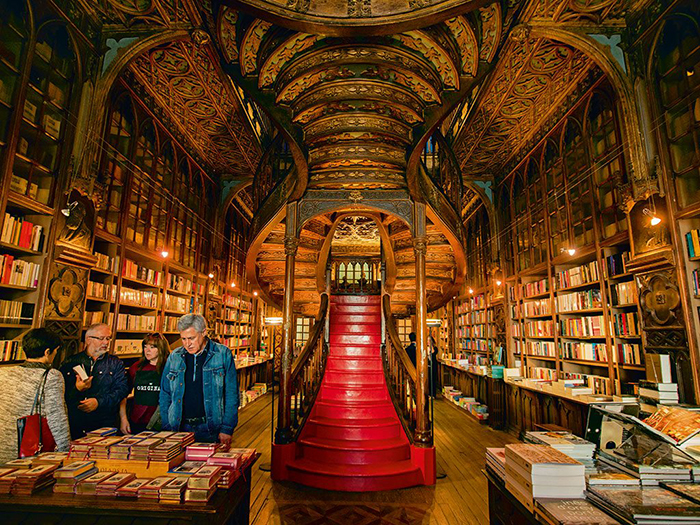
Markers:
<point>359,103</point>
<point>356,235</point>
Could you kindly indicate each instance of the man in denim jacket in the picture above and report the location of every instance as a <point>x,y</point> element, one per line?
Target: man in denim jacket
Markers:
<point>199,386</point>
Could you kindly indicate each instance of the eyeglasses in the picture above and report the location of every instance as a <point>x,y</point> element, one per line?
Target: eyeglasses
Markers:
<point>104,338</point>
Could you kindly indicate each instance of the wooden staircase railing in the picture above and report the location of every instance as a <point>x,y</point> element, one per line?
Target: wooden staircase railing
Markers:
<point>307,371</point>
<point>400,372</point>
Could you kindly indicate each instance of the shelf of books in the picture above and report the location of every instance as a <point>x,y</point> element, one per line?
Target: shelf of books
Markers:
<point>235,327</point>
<point>578,320</point>
<point>25,227</point>
<point>690,231</point>
<point>474,326</point>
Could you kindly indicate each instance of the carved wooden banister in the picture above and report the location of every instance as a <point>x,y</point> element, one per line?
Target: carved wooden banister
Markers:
<point>307,371</point>
<point>400,372</point>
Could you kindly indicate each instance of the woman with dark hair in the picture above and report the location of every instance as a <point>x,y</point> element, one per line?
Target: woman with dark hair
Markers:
<point>144,379</point>
<point>20,384</point>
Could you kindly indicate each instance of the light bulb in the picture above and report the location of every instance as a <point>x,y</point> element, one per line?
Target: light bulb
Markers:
<point>471,291</point>
<point>211,276</point>
<point>571,251</point>
<point>498,283</point>
<point>233,285</point>
<point>164,254</point>
<point>255,294</point>
<point>655,221</point>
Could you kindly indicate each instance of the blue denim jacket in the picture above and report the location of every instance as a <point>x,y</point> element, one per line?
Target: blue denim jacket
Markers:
<point>220,383</point>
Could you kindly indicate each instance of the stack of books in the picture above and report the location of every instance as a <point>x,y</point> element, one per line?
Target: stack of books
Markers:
<point>141,451</point>
<point>187,468</point>
<point>49,458</point>
<point>165,451</point>
<point>201,451</point>
<point>566,442</point>
<point>202,485</point>
<point>612,478</point>
<point>100,450</point>
<point>122,450</point>
<point>648,505</point>
<point>658,393</point>
<point>68,477</point>
<point>88,486</point>
<point>151,490</point>
<point>81,448</point>
<point>571,512</point>
<point>131,489</point>
<point>173,490</point>
<point>21,463</point>
<point>7,479</point>
<point>103,432</point>
<point>496,462</point>
<point>184,438</point>
<point>109,486</point>
<point>30,481</point>
<point>540,471</point>
<point>234,458</point>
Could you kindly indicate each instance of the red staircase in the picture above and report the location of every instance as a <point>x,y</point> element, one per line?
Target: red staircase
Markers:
<point>353,440</point>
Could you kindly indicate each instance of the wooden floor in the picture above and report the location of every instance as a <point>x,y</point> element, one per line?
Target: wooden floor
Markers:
<point>458,499</point>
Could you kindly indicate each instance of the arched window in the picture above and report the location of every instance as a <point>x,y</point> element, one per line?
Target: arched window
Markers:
<point>578,185</point>
<point>45,116</point>
<point>678,84</point>
<point>556,197</point>
<point>141,191</point>
<point>608,163</point>
<point>538,231</point>
<point>522,227</point>
<point>116,162</point>
<point>178,220</point>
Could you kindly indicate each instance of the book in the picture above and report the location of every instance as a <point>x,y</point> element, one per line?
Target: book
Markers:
<point>204,478</point>
<point>679,424</point>
<point>690,491</point>
<point>543,460</point>
<point>658,368</point>
<point>646,504</point>
<point>612,478</point>
<point>572,512</point>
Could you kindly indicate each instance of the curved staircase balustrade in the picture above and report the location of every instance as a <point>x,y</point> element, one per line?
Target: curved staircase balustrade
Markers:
<point>400,372</point>
<point>441,166</point>
<point>307,371</point>
<point>356,276</point>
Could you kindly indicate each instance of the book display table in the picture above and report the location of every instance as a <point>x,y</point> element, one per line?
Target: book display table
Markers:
<point>487,390</point>
<point>231,507</point>
<point>504,508</point>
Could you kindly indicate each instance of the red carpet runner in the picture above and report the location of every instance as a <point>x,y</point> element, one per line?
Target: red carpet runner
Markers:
<point>353,440</point>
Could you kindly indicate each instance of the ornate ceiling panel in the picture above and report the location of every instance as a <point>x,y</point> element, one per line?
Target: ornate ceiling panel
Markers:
<point>532,78</point>
<point>341,17</point>
<point>130,13</point>
<point>357,101</point>
<point>360,233</point>
<point>183,78</point>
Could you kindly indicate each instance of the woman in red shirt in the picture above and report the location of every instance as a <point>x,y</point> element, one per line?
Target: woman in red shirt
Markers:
<point>144,379</point>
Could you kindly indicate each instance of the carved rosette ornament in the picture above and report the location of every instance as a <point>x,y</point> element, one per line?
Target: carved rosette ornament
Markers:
<point>660,298</point>
<point>291,245</point>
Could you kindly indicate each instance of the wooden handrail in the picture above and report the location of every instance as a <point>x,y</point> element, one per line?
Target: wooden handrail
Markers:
<point>396,342</point>
<point>400,373</point>
<point>316,332</point>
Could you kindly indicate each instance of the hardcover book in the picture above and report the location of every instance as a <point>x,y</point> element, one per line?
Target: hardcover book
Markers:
<point>572,512</point>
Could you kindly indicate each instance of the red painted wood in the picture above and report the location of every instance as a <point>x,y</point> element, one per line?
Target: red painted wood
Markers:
<point>353,440</point>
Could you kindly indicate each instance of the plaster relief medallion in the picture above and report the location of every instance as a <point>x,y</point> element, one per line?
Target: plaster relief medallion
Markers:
<point>660,298</point>
<point>66,293</point>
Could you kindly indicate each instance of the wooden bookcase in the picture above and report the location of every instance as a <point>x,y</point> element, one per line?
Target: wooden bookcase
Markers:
<point>475,327</point>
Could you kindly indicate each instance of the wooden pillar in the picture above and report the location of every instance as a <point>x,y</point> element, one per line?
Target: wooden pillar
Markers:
<point>424,432</point>
<point>291,244</point>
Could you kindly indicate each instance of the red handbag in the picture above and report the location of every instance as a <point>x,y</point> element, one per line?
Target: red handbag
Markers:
<point>33,432</point>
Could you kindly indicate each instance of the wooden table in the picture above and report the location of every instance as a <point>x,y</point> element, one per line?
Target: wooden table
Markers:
<point>231,507</point>
<point>504,508</point>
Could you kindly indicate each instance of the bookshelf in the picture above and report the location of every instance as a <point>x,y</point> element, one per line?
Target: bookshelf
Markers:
<point>474,327</point>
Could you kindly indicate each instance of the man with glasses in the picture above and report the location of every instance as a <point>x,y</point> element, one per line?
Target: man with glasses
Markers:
<point>93,401</point>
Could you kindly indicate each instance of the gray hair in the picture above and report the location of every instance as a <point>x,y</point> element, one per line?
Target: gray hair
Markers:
<point>196,321</point>
<point>93,328</point>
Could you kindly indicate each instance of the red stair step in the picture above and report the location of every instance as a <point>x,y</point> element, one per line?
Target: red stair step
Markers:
<point>353,411</point>
<point>336,392</point>
<point>377,428</point>
<point>354,363</point>
<point>347,452</point>
<point>360,329</point>
<point>353,378</point>
<point>356,299</point>
<point>362,309</point>
<point>363,318</point>
<point>355,478</point>
<point>355,351</point>
<point>353,339</point>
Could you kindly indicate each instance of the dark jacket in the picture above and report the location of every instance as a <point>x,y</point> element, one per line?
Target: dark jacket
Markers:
<point>109,387</point>
<point>411,351</point>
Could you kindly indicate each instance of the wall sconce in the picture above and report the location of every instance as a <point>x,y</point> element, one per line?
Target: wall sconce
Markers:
<point>233,285</point>
<point>165,254</point>
<point>654,220</point>
<point>499,282</point>
<point>570,251</point>
<point>70,207</point>
<point>211,276</point>
<point>471,290</point>
<point>255,294</point>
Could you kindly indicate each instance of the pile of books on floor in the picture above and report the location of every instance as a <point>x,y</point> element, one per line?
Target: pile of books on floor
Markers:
<point>566,442</point>
<point>257,390</point>
<point>646,505</point>
<point>540,471</point>
<point>496,462</point>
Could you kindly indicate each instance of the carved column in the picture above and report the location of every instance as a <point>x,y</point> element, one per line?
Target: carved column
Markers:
<point>424,433</point>
<point>291,244</point>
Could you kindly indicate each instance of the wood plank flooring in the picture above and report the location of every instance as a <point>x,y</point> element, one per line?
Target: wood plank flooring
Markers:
<point>458,499</point>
